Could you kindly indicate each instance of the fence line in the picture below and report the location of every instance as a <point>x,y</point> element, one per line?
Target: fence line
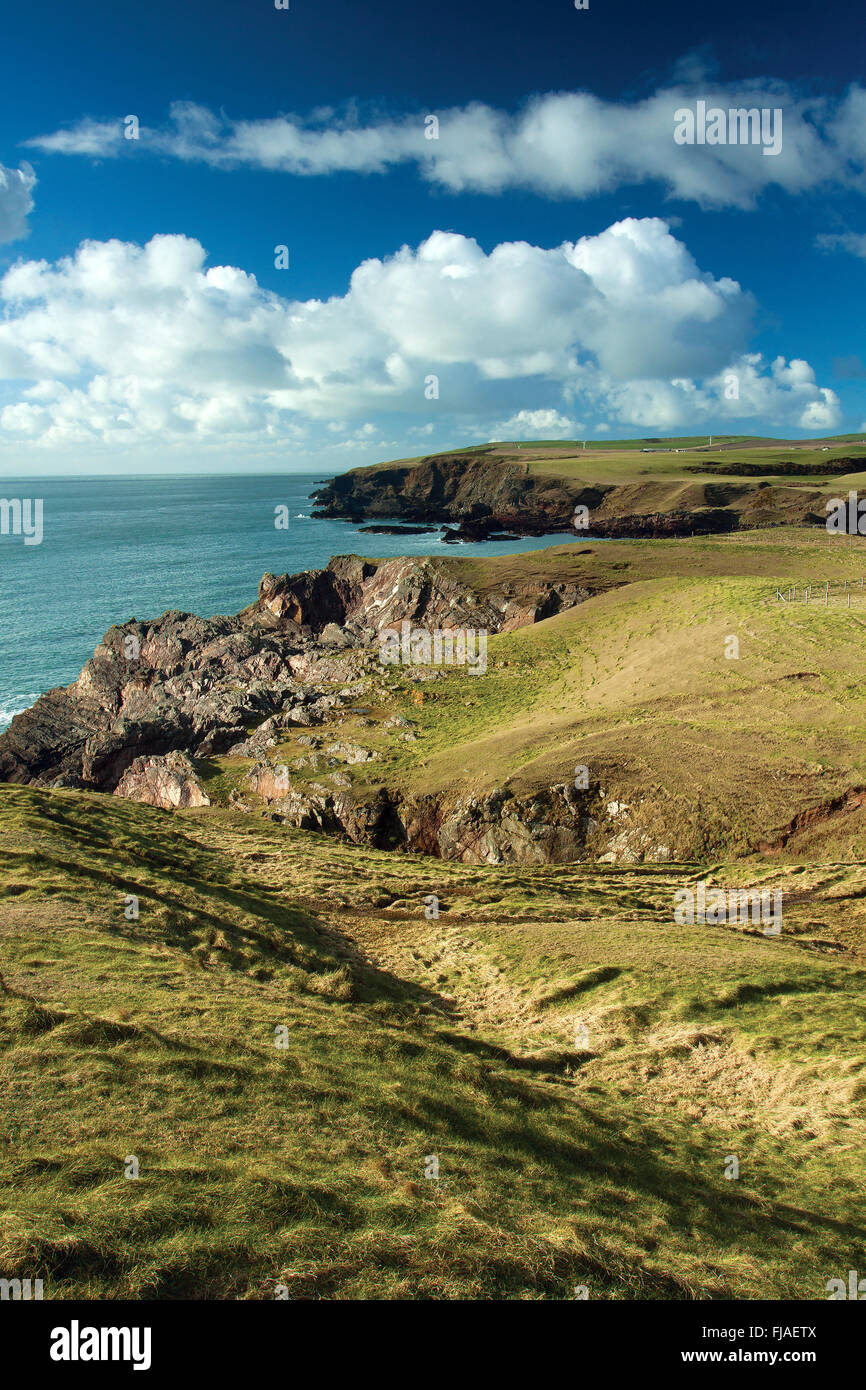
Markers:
<point>822,592</point>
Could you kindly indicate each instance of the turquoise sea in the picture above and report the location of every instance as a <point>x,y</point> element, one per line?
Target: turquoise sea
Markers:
<point>117,548</point>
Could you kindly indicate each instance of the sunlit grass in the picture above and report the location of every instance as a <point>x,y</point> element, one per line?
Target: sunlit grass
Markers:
<point>304,1166</point>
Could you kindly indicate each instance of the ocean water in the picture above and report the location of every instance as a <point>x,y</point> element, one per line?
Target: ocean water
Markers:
<point>133,547</point>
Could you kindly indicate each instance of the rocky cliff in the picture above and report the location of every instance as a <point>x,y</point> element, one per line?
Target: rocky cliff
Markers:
<point>483,494</point>
<point>482,488</point>
<point>158,695</point>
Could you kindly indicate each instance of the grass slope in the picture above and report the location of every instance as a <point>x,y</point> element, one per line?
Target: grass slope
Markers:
<point>665,460</point>
<point>599,1164</point>
<point>720,753</point>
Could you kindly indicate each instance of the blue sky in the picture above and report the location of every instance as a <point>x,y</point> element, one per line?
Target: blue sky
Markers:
<point>553,264</point>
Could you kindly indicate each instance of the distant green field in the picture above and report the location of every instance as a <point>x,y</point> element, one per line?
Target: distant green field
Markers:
<point>625,466</point>
<point>621,461</point>
<point>623,445</point>
<point>652,444</point>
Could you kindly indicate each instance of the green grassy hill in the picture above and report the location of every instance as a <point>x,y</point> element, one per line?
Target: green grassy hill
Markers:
<point>583,1069</point>
<point>715,755</point>
<point>533,486</point>
<point>684,462</point>
<point>627,460</point>
<point>560,1164</point>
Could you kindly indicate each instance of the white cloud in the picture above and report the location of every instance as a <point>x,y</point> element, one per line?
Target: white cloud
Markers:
<point>854,242</point>
<point>562,144</point>
<point>779,393</point>
<point>16,201</point>
<point>97,138</point>
<point>123,343</point>
<point>538,424</point>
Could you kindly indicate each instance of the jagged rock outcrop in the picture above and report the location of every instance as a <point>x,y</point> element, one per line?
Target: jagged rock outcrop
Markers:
<point>209,686</point>
<point>501,828</point>
<point>549,826</point>
<point>353,600</point>
<point>178,683</point>
<point>168,781</point>
<point>307,808</point>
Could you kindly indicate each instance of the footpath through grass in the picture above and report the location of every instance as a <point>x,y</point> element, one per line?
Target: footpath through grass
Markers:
<point>154,1039</point>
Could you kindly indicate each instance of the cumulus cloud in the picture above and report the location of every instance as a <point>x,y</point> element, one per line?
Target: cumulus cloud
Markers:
<point>561,144</point>
<point>779,393</point>
<point>537,424</point>
<point>16,201</point>
<point>124,343</point>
